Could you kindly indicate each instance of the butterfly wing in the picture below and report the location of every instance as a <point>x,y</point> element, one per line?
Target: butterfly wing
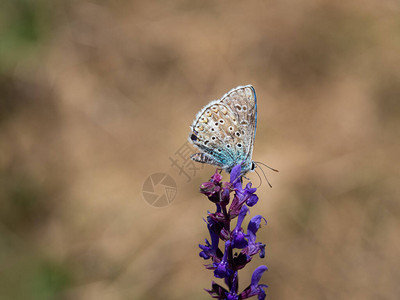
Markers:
<point>216,132</point>
<point>243,102</point>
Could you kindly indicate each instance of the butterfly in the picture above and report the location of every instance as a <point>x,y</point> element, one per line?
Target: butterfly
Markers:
<point>225,129</point>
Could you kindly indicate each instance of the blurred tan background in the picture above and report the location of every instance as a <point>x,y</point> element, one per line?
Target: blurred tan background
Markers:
<point>97,95</point>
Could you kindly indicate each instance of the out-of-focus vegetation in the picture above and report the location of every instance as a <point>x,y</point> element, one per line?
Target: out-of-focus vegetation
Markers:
<point>97,95</point>
<point>24,26</point>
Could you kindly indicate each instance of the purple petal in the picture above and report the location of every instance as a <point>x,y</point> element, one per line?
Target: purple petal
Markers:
<point>222,270</point>
<point>254,288</point>
<point>249,189</point>
<point>239,240</point>
<point>254,248</point>
<point>261,294</point>
<point>214,240</point>
<point>244,210</point>
<point>253,199</point>
<point>235,173</point>
<point>232,296</point>
<point>253,227</point>
<point>204,255</point>
<point>258,272</point>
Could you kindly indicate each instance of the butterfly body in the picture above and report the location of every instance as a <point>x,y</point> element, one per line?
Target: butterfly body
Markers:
<point>224,130</point>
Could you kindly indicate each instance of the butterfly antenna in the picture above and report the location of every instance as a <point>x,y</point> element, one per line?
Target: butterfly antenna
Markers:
<point>264,175</point>
<point>259,177</point>
<point>259,162</point>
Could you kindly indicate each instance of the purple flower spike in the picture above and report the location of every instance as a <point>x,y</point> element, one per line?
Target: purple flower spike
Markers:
<point>238,234</point>
<point>227,263</point>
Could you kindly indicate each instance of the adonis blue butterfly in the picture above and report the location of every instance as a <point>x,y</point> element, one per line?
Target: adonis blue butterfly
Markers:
<point>224,130</point>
